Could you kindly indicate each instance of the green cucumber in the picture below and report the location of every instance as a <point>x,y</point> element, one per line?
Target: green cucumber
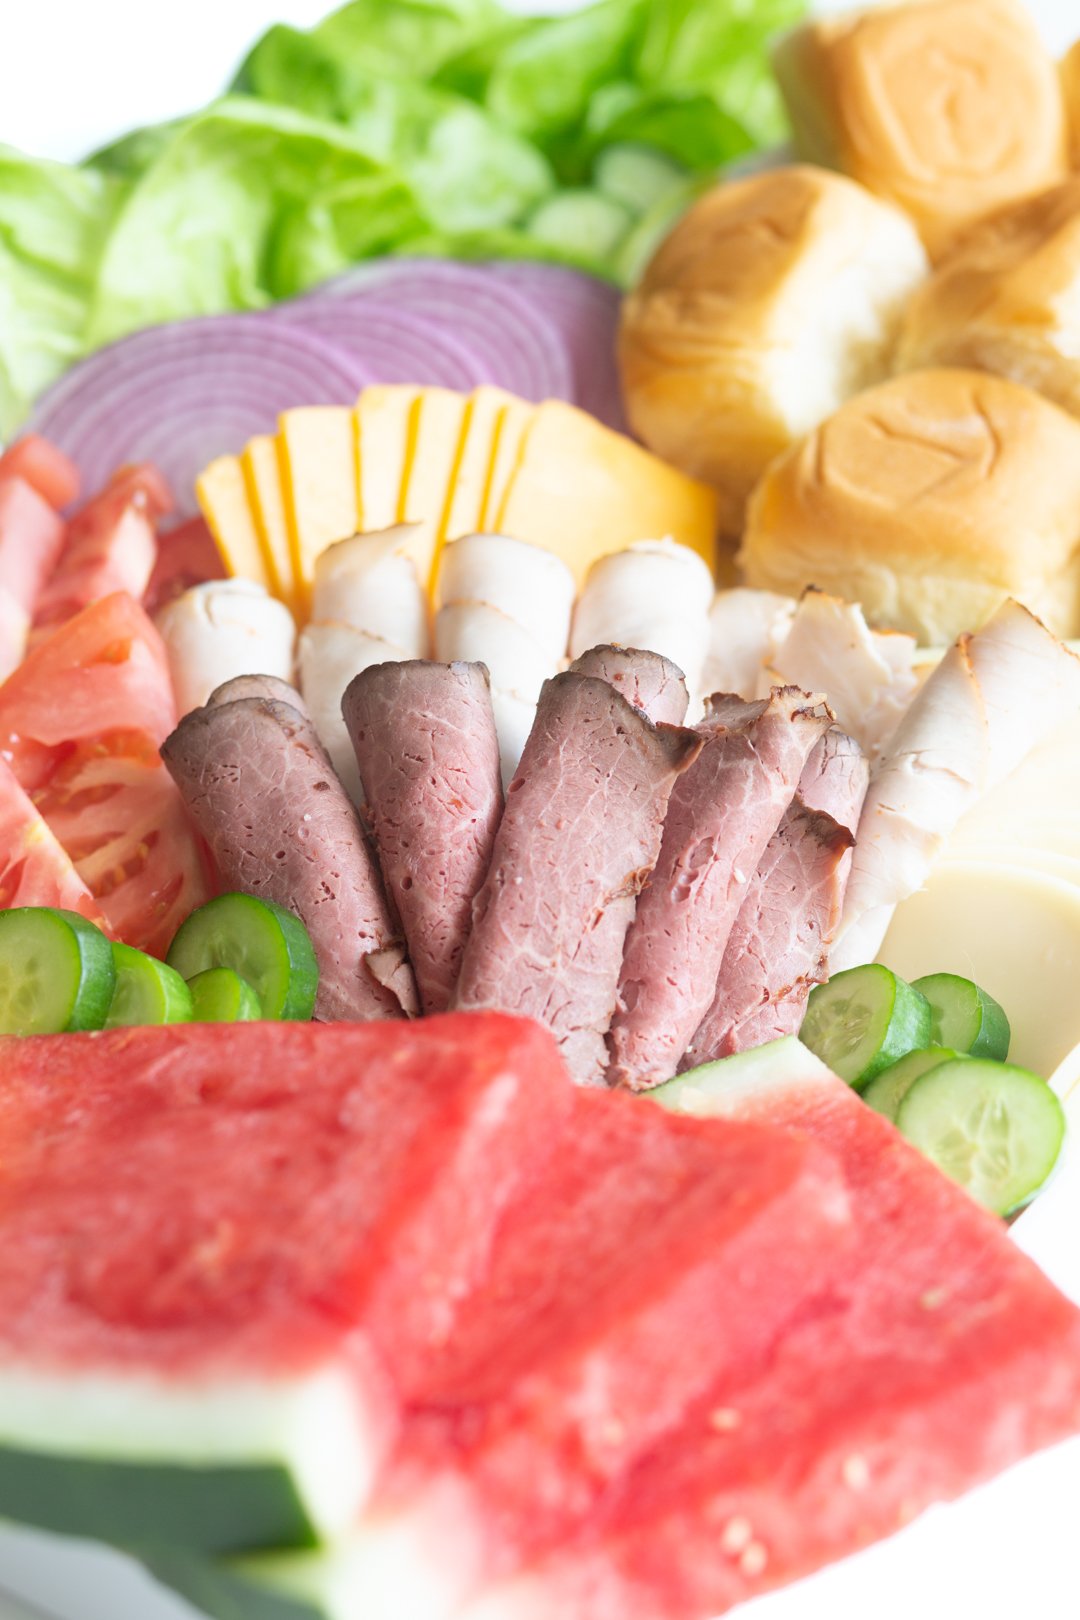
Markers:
<point>887,1090</point>
<point>262,942</point>
<point>147,991</point>
<point>996,1129</point>
<point>863,1020</point>
<point>56,972</point>
<point>965,1017</point>
<point>220,996</point>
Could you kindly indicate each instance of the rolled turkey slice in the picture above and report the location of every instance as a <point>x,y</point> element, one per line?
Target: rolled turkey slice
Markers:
<point>994,696</point>
<point>582,827</point>
<point>722,813</point>
<point>655,594</point>
<point>779,947</point>
<point>375,582</point>
<point>745,629</point>
<point>329,656</point>
<point>221,629</point>
<point>261,790</point>
<point>425,743</point>
<point>647,680</point>
<point>868,676</point>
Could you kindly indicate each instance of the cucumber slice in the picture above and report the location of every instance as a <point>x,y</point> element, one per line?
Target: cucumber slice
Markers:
<point>863,1020</point>
<point>887,1091</point>
<point>262,942</point>
<point>581,223</point>
<point>56,972</point>
<point>994,1128</point>
<point>965,1017</point>
<point>220,996</point>
<point>638,177</point>
<point>147,991</point>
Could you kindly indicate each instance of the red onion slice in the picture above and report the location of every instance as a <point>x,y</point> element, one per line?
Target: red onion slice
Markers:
<point>522,350</point>
<point>395,345</point>
<point>179,395</point>
<point>585,312</point>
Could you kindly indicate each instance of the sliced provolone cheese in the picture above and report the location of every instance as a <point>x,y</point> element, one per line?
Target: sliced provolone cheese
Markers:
<point>262,475</point>
<point>226,506</point>
<point>582,490</point>
<point>1014,931</point>
<point>318,464</point>
<point>382,446</point>
<point>436,432</point>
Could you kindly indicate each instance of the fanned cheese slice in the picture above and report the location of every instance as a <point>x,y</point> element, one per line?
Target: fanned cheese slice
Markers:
<point>382,448</point>
<point>226,506</point>
<point>262,476</point>
<point>318,463</point>
<point>510,430</point>
<point>436,432</point>
<point>472,474</point>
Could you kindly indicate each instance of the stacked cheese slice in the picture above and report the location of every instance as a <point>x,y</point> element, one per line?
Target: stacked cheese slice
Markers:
<point>453,463</point>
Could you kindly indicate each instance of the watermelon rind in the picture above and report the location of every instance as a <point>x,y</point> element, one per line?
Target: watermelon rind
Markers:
<point>721,1086</point>
<point>218,1468</point>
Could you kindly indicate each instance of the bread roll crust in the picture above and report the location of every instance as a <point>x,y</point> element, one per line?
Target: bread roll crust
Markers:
<point>774,299</point>
<point>947,107</point>
<point>1007,299</point>
<point>929,500</point>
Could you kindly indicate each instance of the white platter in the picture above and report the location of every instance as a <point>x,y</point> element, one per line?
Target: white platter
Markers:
<point>1008,1552</point>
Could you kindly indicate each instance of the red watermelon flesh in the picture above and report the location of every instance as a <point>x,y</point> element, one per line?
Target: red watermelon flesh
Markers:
<point>204,1200</point>
<point>940,1356</point>
<point>615,1297</point>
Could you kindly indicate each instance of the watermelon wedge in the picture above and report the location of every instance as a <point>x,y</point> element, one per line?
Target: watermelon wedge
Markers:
<point>216,1241</point>
<point>940,1356</point>
<point>613,1299</point>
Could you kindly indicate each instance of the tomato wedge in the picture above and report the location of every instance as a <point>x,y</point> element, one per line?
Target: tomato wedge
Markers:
<point>81,721</point>
<point>187,556</point>
<point>111,546</point>
<point>35,870</point>
<point>44,467</point>
<point>31,537</point>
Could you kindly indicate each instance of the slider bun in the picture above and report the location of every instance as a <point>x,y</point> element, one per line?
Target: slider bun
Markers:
<point>1007,299</point>
<point>1070,81</point>
<point>948,107</point>
<point>929,500</point>
<point>773,300</point>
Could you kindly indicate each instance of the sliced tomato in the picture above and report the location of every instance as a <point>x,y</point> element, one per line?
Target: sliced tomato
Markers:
<point>44,467</point>
<point>111,546</point>
<point>35,870</point>
<point>31,538</point>
<point>187,556</point>
<point>81,722</point>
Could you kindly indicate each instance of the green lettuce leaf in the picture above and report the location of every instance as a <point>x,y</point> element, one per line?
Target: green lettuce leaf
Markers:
<point>53,223</point>
<point>246,203</point>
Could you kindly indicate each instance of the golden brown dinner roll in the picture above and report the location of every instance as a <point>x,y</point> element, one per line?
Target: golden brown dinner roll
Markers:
<point>1070,79</point>
<point>929,500</point>
<point>773,300</point>
<point>1007,299</point>
<point>948,107</point>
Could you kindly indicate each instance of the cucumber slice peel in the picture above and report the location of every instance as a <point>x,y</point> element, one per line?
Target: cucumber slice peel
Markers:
<point>965,1017</point>
<point>887,1090</point>
<point>863,1020</point>
<point>56,972</point>
<point>147,991</point>
<point>996,1129</point>
<point>220,996</point>
<point>264,943</point>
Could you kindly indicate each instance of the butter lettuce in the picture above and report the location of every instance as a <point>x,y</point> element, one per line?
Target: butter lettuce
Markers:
<point>53,224</point>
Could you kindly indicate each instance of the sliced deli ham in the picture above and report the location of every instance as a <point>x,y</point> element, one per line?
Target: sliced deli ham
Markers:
<point>262,792</point>
<point>428,754</point>
<point>778,948</point>
<point>647,680</point>
<point>722,813</point>
<point>580,833</point>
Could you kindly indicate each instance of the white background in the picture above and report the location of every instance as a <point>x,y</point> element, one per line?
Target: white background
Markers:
<point>75,73</point>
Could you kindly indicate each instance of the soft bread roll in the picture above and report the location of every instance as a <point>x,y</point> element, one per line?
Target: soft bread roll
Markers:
<point>1070,80</point>
<point>773,300</point>
<point>929,500</point>
<point>948,107</point>
<point>1007,298</point>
